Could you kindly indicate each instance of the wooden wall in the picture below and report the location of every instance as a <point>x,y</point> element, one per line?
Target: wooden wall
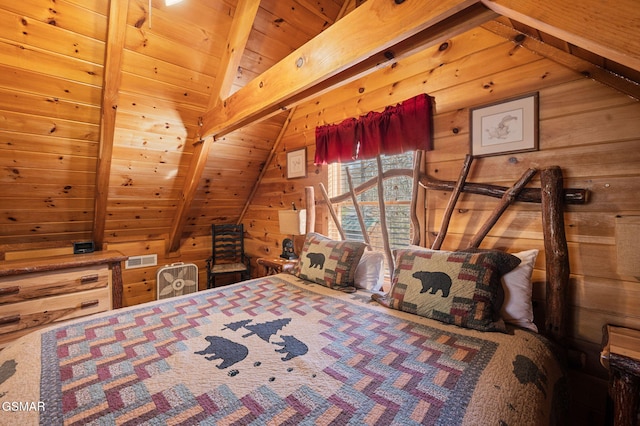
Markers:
<point>588,129</point>
<point>50,125</point>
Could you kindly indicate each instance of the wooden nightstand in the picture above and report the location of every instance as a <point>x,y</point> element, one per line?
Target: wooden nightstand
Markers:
<point>275,265</point>
<point>621,356</point>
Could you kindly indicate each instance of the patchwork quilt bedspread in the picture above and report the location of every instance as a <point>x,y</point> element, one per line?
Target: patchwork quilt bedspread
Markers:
<point>276,350</point>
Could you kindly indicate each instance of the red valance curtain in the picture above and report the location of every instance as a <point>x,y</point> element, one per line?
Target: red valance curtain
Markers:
<point>400,128</point>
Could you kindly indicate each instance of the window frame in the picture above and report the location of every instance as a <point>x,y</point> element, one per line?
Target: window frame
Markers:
<point>338,185</point>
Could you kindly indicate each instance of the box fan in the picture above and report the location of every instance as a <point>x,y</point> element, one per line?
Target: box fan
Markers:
<point>177,279</point>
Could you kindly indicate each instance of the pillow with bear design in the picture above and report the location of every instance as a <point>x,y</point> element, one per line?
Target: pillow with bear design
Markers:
<point>458,288</point>
<point>329,262</point>
<point>517,308</point>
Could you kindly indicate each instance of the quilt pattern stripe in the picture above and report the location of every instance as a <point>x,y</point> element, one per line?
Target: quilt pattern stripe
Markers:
<point>366,370</point>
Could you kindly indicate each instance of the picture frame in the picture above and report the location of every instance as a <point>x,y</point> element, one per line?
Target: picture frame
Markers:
<point>505,127</point>
<point>297,163</point>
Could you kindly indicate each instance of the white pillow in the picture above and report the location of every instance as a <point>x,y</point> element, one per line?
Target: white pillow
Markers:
<point>370,271</point>
<point>517,308</point>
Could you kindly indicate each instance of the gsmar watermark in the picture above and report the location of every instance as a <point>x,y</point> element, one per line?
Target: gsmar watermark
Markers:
<point>22,406</point>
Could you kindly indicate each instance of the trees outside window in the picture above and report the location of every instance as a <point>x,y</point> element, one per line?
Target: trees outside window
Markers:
<point>397,200</point>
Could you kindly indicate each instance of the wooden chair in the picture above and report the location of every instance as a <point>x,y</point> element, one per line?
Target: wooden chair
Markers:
<point>227,253</point>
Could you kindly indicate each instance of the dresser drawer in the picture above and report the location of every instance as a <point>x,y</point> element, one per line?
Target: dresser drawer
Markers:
<point>33,313</point>
<point>43,284</point>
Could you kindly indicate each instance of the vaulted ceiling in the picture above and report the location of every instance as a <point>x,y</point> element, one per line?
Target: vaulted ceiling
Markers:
<point>130,119</point>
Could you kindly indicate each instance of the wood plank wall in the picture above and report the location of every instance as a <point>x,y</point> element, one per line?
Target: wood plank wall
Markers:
<point>588,129</point>
<point>50,127</point>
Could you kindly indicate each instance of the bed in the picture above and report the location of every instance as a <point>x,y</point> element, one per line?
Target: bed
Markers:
<point>278,350</point>
<point>297,348</point>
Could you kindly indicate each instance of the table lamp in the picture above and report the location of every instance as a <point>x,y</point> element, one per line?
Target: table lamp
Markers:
<point>292,222</point>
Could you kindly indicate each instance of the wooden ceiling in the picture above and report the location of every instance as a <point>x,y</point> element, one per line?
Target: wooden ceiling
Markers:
<point>123,122</point>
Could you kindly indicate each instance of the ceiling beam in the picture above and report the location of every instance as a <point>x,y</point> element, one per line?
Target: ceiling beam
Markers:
<point>111,84</point>
<point>608,29</point>
<point>241,26</point>
<point>581,66</point>
<point>272,154</point>
<point>377,32</point>
<point>283,130</point>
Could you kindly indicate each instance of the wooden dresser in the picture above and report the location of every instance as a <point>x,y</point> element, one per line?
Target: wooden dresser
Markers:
<point>37,292</point>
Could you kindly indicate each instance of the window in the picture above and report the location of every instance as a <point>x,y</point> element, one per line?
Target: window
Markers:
<point>397,197</point>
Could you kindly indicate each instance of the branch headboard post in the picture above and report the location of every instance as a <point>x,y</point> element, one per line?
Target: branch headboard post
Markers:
<point>556,253</point>
<point>310,201</point>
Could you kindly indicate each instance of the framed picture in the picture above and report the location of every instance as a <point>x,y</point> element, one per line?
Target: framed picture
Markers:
<point>297,163</point>
<point>505,127</point>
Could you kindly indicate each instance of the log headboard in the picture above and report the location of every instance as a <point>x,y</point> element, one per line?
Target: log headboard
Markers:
<point>552,197</point>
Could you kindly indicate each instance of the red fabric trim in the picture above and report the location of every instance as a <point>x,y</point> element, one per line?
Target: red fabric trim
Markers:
<point>335,143</point>
<point>397,129</point>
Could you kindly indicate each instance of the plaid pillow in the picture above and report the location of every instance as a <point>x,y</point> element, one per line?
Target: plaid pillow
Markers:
<point>329,262</point>
<point>458,288</point>
<point>516,307</point>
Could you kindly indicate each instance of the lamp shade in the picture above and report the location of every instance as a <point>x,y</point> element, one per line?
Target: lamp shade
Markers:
<point>292,222</point>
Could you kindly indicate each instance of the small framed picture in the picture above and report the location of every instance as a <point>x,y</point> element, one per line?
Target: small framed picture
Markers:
<point>297,163</point>
<point>505,127</point>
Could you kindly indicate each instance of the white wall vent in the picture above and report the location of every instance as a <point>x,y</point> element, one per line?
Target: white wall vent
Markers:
<point>141,261</point>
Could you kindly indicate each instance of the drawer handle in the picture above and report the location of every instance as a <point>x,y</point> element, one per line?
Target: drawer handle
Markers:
<point>11,319</point>
<point>89,304</point>
<point>88,279</point>
<point>8,291</point>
